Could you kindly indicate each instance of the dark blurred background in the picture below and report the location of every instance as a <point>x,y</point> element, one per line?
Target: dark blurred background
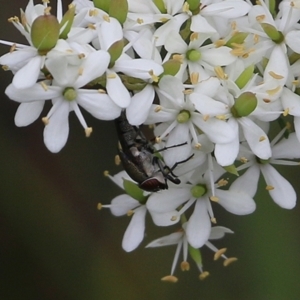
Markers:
<point>55,244</point>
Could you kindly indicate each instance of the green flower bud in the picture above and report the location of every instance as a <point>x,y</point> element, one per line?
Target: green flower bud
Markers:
<point>232,170</point>
<point>198,190</point>
<point>102,4</point>
<point>70,94</point>
<point>66,22</point>
<point>193,55</point>
<point>44,33</point>
<point>160,5</point>
<point>245,76</point>
<point>244,105</point>
<point>275,35</point>
<point>134,191</point>
<point>183,116</point>
<point>118,9</point>
<point>193,4</point>
<point>238,38</point>
<point>171,67</point>
<point>115,51</point>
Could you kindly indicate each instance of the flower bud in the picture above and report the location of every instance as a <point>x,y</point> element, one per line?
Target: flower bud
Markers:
<point>245,76</point>
<point>275,35</point>
<point>115,51</point>
<point>118,9</point>
<point>183,116</point>
<point>238,38</point>
<point>66,22</point>
<point>134,191</point>
<point>193,4</point>
<point>193,55</point>
<point>244,105</point>
<point>171,67</point>
<point>160,5</point>
<point>102,4</point>
<point>198,190</point>
<point>44,33</point>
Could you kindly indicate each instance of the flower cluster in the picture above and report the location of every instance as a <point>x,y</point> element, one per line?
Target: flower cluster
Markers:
<point>210,76</point>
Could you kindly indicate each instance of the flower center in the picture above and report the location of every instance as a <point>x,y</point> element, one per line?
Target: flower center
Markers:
<point>183,116</point>
<point>70,94</point>
<point>198,190</point>
<point>193,55</point>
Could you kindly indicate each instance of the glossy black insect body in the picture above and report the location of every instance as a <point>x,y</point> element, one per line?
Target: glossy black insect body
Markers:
<point>138,159</point>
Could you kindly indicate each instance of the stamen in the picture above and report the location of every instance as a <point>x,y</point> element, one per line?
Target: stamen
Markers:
<point>178,57</point>
<point>214,198</point>
<point>274,91</point>
<point>185,266</point>
<point>260,18</point>
<point>12,48</point>
<point>269,188</point>
<point>262,138</point>
<point>45,120</point>
<point>198,146</point>
<point>213,220</point>
<point>88,131</point>
<point>219,43</point>
<point>130,213</point>
<point>91,26</point>
<point>99,206</point>
<point>229,260</point>
<point>219,253</point>
<point>111,76</point>
<point>106,173</point>
<point>170,278</point>
<point>44,86</point>
<point>117,160</point>
<point>274,75</point>
<point>80,71</point>
<point>204,275</point>
<point>194,36</point>
<point>106,18</point>
<point>194,77</point>
<point>286,112</point>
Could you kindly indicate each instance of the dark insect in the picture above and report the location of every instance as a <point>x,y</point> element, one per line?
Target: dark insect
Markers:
<point>138,159</point>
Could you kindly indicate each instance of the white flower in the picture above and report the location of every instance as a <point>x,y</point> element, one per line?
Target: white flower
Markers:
<point>278,187</point>
<point>179,238</point>
<point>66,95</point>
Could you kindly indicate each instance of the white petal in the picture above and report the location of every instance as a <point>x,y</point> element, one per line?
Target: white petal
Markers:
<point>247,182</point>
<point>35,93</point>
<point>109,33</point>
<point>175,44</point>
<point>134,233</point>
<point>168,200</point>
<point>165,219</point>
<point>139,107</point>
<point>236,202</point>
<point>283,193</point>
<point>57,130</point>
<point>92,67</point>
<point>199,226</point>
<point>292,39</point>
<point>257,139</point>
<point>121,204</point>
<point>28,75</point>
<point>28,112</point>
<point>171,239</point>
<point>98,105</point>
<point>287,148</point>
<point>217,232</point>
<point>218,56</point>
<point>116,90</point>
<point>200,24</point>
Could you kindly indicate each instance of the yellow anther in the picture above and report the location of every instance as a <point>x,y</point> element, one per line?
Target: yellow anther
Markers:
<point>286,112</point>
<point>203,275</point>
<point>233,25</point>
<point>222,182</point>
<point>173,218</point>
<point>91,26</point>
<point>219,253</point>
<point>13,19</point>
<point>220,73</point>
<point>229,260</point>
<point>260,18</point>
<point>194,77</point>
<point>213,220</point>
<point>243,160</point>
<point>275,75</point>
<point>154,77</point>
<point>111,76</point>
<point>106,173</point>
<point>187,91</point>
<point>139,21</point>
<point>5,68</point>
<point>45,120</point>
<point>170,278</point>
<point>164,20</point>
<point>157,140</point>
<point>194,36</point>
<point>47,9</point>
<point>93,12</point>
<point>205,117</point>
<point>101,91</point>
<point>81,55</point>
<point>221,117</point>
<point>130,212</point>
<point>157,108</point>
<point>198,146</point>
<point>274,91</point>
<point>219,43</point>
<point>185,266</point>
<point>269,188</point>
<point>88,131</point>
<point>117,160</point>
<point>178,57</point>
<point>262,138</point>
<point>267,100</point>
<point>80,71</point>
<point>12,48</point>
<point>256,38</point>
<point>214,198</point>
<point>185,7</point>
<point>106,18</point>
<point>99,206</point>
<point>44,86</point>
